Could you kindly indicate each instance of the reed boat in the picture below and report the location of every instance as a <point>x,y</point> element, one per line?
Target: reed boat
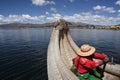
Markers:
<point>61,51</point>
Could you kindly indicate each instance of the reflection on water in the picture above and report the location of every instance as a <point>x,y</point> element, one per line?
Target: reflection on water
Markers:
<point>23,51</point>
<point>105,41</point>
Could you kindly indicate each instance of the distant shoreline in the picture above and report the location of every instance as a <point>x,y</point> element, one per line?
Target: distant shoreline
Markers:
<point>50,25</point>
<point>53,27</point>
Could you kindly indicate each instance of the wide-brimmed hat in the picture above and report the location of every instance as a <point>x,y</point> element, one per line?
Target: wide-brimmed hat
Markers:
<point>86,50</point>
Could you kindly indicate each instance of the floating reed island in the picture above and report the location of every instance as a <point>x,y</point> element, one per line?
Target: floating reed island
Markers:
<point>61,51</point>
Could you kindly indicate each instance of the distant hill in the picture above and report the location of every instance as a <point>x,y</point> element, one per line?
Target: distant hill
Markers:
<point>70,24</point>
<point>80,25</point>
<point>21,25</point>
<point>117,25</point>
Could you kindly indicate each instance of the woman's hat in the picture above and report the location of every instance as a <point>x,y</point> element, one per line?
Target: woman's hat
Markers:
<point>86,50</point>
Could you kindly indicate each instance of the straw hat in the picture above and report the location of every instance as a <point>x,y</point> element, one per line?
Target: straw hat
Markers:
<point>86,50</point>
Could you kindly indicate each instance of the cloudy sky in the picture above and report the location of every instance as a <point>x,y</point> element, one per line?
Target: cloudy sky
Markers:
<point>100,12</point>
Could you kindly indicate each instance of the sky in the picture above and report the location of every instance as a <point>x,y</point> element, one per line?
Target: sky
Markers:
<point>97,12</point>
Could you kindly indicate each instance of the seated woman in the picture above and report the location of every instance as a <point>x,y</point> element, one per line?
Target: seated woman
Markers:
<point>85,65</point>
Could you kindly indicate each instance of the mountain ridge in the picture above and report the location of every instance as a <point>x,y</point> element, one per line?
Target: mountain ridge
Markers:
<point>70,24</point>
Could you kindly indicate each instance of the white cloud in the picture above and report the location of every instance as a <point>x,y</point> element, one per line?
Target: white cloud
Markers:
<point>53,17</point>
<point>85,17</point>
<point>1,17</point>
<point>110,10</point>
<point>98,7</point>
<point>42,2</point>
<point>119,10</point>
<point>71,0</point>
<point>47,13</point>
<point>20,18</point>
<point>117,2</point>
<point>53,9</point>
<point>57,16</point>
<point>93,19</point>
<point>104,8</point>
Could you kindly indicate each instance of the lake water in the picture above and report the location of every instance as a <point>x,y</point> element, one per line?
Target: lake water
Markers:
<point>23,52</point>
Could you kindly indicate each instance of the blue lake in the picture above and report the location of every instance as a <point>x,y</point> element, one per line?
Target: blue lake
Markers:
<point>23,52</point>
